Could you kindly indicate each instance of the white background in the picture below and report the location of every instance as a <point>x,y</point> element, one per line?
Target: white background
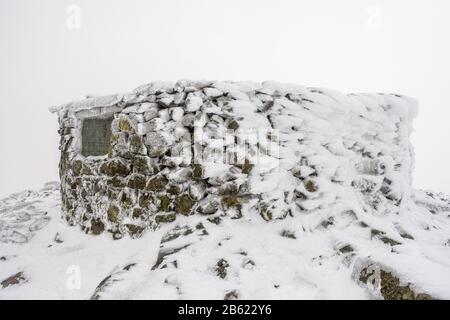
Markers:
<point>48,58</point>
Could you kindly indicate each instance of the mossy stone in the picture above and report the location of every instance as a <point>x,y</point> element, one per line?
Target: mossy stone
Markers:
<point>346,249</point>
<point>233,125</point>
<point>157,184</point>
<point>145,200</point>
<point>390,285</point>
<point>138,213</point>
<point>113,213</point>
<point>184,204</point>
<point>97,227</point>
<point>165,218</point>
<point>134,230</point>
<point>126,200</point>
<point>246,167</point>
<point>197,171</point>
<point>140,165</point>
<point>115,168</point>
<point>136,144</point>
<point>174,190</point>
<point>86,170</point>
<point>310,186</point>
<point>231,201</point>
<point>137,181</point>
<point>77,166</point>
<point>125,125</point>
<point>116,182</point>
<point>230,189</point>
<point>164,202</point>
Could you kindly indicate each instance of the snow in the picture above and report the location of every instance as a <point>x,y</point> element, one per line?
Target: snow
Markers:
<point>260,262</point>
<point>328,170</point>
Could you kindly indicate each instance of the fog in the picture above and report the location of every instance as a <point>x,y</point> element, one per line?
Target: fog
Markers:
<point>55,51</point>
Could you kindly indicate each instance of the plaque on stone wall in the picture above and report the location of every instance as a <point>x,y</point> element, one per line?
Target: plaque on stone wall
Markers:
<point>96,136</point>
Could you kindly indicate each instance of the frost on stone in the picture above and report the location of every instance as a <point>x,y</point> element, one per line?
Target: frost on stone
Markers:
<point>233,190</point>
<point>309,256</point>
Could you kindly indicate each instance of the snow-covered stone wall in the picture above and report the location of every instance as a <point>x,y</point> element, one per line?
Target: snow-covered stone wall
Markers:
<point>238,150</point>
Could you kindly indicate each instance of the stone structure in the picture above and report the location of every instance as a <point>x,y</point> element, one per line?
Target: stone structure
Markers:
<point>244,150</point>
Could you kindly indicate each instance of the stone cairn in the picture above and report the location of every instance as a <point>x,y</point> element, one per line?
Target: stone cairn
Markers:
<point>237,149</point>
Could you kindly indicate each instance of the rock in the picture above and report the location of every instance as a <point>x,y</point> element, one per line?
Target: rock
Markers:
<point>231,295</point>
<point>158,143</point>
<point>157,183</point>
<point>163,253</point>
<point>179,98</point>
<point>177,113</point>
<point>156,124</point>
<point>209,205</point>
<point>173,189</point>
<point>58,238</point>
<point>108,283</point>
<point>77,166</point>
<point>212,92</point>
<point>165,99</point>
<point>193,102</point>
<point>310,186</point>
<point>365,185</point>
<point>151,112</point>
<point>115,168</point>
<point>306,171</point>
<point>188,120</point>
<point>137,181</point>
<point>113,213</point>
<point>288,234</point>
<point>138,213</point>
<point>197,171</point>
<point>346,249</point>
<point>137,145</point>
<point>165,218</point>
<point>164,203</point>
<point>389,285</point>
<point>184,204</point>
<point>141,165</point>
<point>97,227</point>
<point>125,125</point>
<point>197,191</point>
<point>145,200</point>
<point>246,167</point>
<point>116,182</point>
<point>233,125</point>
<point>135,231</point>
<point>176,232</point>
<point>221,268</point>
<point>14,280</point>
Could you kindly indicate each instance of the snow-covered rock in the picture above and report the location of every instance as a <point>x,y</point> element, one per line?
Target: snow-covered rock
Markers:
<point>211,257</point>
<point>287,151</point>
<point>231,190</point>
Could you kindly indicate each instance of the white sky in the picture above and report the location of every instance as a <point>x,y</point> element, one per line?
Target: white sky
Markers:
<point>400,46</point>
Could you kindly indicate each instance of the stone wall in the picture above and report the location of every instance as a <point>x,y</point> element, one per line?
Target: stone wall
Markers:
<point>316,152</point>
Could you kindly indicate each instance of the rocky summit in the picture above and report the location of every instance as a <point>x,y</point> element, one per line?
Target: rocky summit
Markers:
<point>230,190</point>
